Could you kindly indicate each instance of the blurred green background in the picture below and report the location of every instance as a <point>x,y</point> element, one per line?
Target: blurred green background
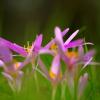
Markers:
<point>22,20</point>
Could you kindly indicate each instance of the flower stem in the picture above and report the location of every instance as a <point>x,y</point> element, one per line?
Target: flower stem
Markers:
<point>63,91</point>
<point>54,92</point>
<point>36,81</point>
<point>35,76</point>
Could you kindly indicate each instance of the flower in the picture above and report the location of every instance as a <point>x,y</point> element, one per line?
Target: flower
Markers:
<point>12,69</point>
<point>31,51</point>
<point>62,47</point>
<point>72,57</point>
<point>68,43</point>
<point>58,48</point>
<point>54,74</point>
<point>13,46</point>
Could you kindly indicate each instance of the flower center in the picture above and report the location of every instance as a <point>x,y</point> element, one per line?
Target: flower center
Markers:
<point>54,76</point>
<point>71,54</point>
<point>16,65</point>
<point>54,48</point>
<point>28,47</point>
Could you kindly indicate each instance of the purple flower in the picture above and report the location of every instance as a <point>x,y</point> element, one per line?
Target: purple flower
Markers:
<point>13,46</point>
<point>12,70</point>
<point>58,47</point>
<point>54,74</point>
<point>59,38</point>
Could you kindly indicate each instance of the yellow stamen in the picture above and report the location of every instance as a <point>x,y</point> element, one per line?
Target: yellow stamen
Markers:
<point>28,48</point>
<point>16,66</point>
<point>53,47</point>
<point>71,54</point>
<point>54,76</point>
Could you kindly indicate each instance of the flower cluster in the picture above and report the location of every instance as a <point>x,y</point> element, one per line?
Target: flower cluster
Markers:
<point>70,52</point>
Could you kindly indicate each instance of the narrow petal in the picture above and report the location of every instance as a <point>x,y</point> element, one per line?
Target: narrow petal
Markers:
<point>26,61</point>
<point>38,41</point>
<point>88,55</point>
<point>87,63</point>
<point>71,37</point>
<point>5,54</point>
<point>81,51</point>
<point>58,38</point>
<point>55,67</point>
<point>53,40</point>
<point>14,47</point>
<point>49,44</point>
<point>1,63</point>
<point>65,31</point>
<point>74,43</point>
<point>45,51</point>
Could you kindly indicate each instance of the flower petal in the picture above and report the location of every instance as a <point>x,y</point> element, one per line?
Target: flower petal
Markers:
<point>5,54</point>
<point>88,55</point>
<point>65,31</point>
<point>71,37</point>
<point>87,63</point>
<point>1,63</point>
<point>53,40</point>
<point>49,44</point>
<point>38,41</point>
<point>14,47</point>
<point>58,38</point>
<point>74,43</point>
<point>55,67</point>
<point>81,51</point>
<point>45,51</point>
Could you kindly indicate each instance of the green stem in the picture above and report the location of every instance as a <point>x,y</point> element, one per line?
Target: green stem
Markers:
<point>76,87</point>
<point>36,81</point>
<point>54,92</point>
<point>63,91</point>
<point>35,77</point>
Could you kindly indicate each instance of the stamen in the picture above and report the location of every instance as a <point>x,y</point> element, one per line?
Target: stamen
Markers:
<point>54,76</point>
<point>16,66</point>
<point>53,47</point>
<point>71,54</point>
<point>28,48</point>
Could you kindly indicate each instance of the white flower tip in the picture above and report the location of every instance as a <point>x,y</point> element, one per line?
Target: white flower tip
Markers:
<point>1,63</point>
<point>57,29</point>
<point>67,29</point>
<point>76,31</point>
<point>41,35</point>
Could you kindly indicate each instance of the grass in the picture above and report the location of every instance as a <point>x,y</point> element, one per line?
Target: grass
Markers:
<point>29,89</point>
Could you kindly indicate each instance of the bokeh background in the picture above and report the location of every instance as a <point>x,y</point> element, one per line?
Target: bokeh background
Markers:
<point>22,20</point>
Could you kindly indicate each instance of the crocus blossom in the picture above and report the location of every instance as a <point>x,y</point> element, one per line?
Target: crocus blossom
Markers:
<point>72,59</point>
<point>12,70</point>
